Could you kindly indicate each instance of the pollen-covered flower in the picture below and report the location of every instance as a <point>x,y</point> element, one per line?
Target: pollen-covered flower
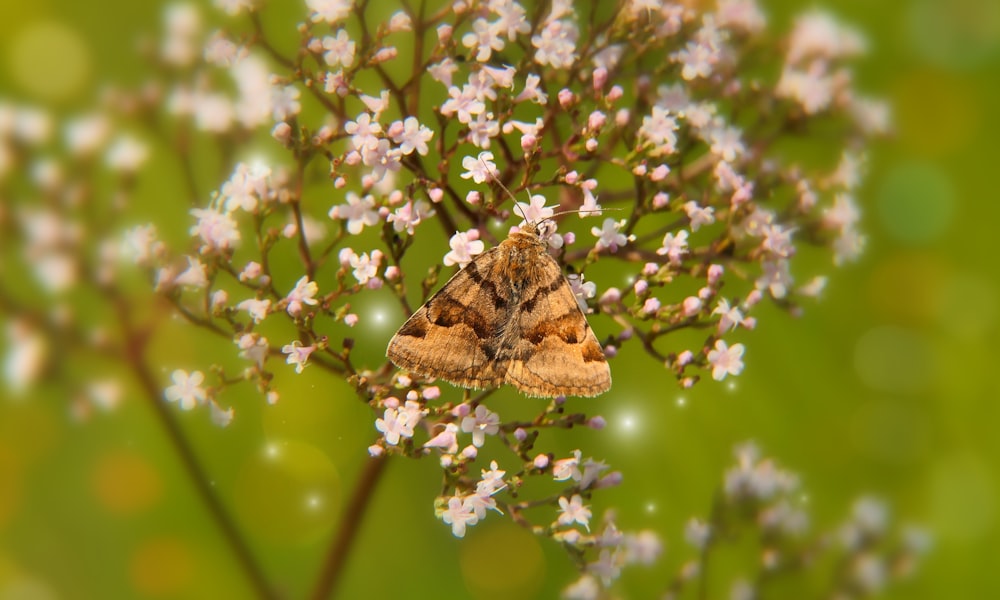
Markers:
<point>304,292</point>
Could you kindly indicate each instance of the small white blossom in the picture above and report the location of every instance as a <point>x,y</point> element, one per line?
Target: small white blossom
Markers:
<point>186,390</point>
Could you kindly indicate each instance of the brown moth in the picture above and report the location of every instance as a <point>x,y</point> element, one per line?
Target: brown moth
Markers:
<point>508,317</point>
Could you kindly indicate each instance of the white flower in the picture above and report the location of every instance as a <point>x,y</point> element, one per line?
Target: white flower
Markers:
<point>674,246</point>
<point>573,511</point>
<point>27,350</point>
<point>480,424</point>
<point>479,169</point>
<point>609,236</point>
<point>412,136</point>
<point>194,276</point>
<point>534,211</point>
<point>365,266</point>
<point>329,11</point>
<point>660,130</point>
<point>699,216</point>
<point>359,212</point>
<point>725,360</point>
<point>303,293</point>
<point>187,390</point>
<point>217,230</point>
<point>459,515</point>
<point>339,49</point>
<point>298,355</point>
<point>464,245</point>
<point>257,309</point>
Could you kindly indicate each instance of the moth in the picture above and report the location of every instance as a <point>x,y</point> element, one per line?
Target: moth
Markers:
<point>509,317</point>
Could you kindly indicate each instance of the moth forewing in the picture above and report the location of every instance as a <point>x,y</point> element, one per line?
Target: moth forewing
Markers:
<point>511,317</point>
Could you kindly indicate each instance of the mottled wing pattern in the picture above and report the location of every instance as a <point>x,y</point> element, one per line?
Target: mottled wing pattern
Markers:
<point>554,352</point>
<point>453,336</point>
<point>508,317</point>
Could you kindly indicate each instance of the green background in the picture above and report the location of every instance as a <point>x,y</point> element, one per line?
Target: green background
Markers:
<point>887,386</point>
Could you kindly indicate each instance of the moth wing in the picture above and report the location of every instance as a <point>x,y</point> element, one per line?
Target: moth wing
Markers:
<point>454,335</point>
<point>553,350</point>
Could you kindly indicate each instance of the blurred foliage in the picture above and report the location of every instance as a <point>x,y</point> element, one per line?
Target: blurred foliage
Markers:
<point>884,387</point>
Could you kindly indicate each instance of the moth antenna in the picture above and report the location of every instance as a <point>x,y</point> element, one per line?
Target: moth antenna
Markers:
<point>510,194</point>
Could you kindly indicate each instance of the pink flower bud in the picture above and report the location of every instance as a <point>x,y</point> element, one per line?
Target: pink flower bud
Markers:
<point>395,129</point>
<point>339,182</point>
<point>611,296</point>
<point>590,145</point>
<point>569,237</point>
<point>610,351</point>
<point>541,461</point>
<point>566,98</point>
<point>374,283</point>
<point>597,422</point>
<point>684,358</point>
<point>391,402</point>
<point>472,197</point>
<point>600,77</point>
<point>282,132</point>
<point>596,120</point>
<point>391,272</point>
<point>572,177</point>
<point>470,451</point>
<point>659,173</point>
<point>432,393</point>
<point>435,194</point>
<point>639,170</point>
<point>651,306</point>
<point>714,273</point>
<point>612,479</point>
<point>691,306</point>
<point>444,33</point>
<point>752,298</point>
<point>412,395</point>
<point>660,200</point>
<point>528,142</point>
<point>350,319</point>
<point>649,269</point>
<point>520,434</point>
<point>462,410</point>
<point>615,93</point>
<point>376,450</point>
<point>640,287</point>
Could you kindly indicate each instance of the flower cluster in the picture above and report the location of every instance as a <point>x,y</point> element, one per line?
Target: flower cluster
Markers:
<point>642,120</point>
<point>762,501</point>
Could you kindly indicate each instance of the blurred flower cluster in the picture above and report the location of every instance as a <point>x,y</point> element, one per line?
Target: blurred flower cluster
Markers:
<point>724,149</point>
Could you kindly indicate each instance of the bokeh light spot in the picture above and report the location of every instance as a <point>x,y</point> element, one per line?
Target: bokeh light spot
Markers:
<point>916,202</point>
<point>125,483</point>
<point>49,60</point>
<point>273,493</point>
<point>502,561</point>
<point>162,566</point>
<point>962,496</point>
<point>893,359</point>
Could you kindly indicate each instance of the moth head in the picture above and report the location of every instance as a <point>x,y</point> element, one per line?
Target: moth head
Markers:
<point>544,229</point>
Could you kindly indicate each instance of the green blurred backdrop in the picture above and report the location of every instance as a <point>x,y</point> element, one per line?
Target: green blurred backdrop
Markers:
<point>887,386</point>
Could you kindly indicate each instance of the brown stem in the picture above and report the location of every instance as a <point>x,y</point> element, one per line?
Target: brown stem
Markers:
<point>196,474</point>
<point>350,521</point>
